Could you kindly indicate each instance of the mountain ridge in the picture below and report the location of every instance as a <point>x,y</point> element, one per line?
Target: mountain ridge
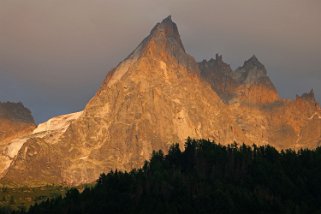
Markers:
<point>157,96</point>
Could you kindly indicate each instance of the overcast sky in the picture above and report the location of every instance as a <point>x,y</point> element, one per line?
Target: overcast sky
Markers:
<point>54,54</point>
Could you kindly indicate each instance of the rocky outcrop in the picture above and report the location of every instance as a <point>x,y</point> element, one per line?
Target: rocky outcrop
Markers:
<point>155,97</point>
<point>263,116</point>
<point>15,121</point>
<point>37,143</point>
<point>255,87</point>
<point>15,112</point>
<point>248,84</point>
<point>219,75</point>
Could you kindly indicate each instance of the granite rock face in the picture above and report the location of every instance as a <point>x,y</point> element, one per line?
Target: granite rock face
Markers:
<point>157,96</point>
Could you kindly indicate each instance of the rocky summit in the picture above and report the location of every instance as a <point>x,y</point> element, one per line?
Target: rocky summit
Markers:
<point>157,96</point>
<point>247,84</point>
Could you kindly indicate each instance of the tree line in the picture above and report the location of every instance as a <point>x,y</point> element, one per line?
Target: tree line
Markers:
<point>204,178</point>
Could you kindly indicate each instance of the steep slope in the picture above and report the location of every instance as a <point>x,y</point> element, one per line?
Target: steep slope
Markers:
<point>296,123</point>
<point>219,75</point>
<point>255,86</point>
<point>152,99</point>
<point>15,121</point>
<point>283,124</point>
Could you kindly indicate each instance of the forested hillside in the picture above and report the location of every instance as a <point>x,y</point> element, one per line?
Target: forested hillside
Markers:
<point>205,178</point>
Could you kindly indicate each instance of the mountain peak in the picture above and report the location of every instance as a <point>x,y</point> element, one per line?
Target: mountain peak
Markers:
<point>307,96</point>
<point>252,63</point>
<point>167,23</point>
<point>168,19</point>
<point>218,59</point>
<point>15,111</point>
<point>253,57</point>
<point>167,31</point>
<point>153,98</point>
<point>164,43</point>
<point>15,120</point>
<point>215,64</point>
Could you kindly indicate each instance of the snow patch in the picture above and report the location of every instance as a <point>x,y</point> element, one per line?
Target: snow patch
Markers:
<point>61,122</point>
<point>15,146</point>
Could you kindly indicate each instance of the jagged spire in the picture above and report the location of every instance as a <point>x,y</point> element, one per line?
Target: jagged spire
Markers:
<point>167,29</point>
<point>168,19</point>
<point>165,40</point>
<point>252,63</point>
<point>254,58</point>
<point>307,95</point>
<point>15,111</point>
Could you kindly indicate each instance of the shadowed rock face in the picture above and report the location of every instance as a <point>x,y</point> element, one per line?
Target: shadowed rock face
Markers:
<point>153,98</point>
<point>248,84</point>
<point>14,118</point>
<point>15,112</point>
<point>263,115</point>
<point>219,75</point>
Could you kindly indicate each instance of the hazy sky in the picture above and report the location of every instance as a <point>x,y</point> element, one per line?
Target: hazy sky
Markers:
<point>54,54</point>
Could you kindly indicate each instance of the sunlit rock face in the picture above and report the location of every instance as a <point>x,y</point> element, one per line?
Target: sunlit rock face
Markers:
<point>152,99</point>
<point>255,87</point>
<point>155,97</point>
<point>303,117</point>
<point>263,116</point>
